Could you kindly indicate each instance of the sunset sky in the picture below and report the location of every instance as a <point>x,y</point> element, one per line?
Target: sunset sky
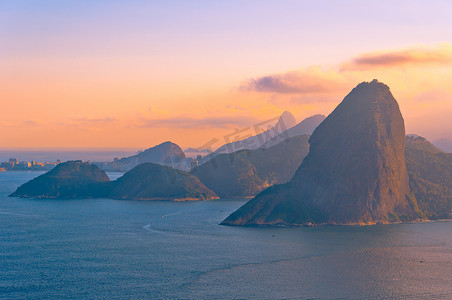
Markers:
<point>138,73</point>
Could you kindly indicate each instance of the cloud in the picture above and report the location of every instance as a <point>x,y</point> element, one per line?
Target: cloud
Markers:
<point>439,54</point>
<point>30,123</point>
<point>90,121</point>
<point>189,122</point>
<point>23,124</point>
<point>312,80</point>
<point>235,108</point>
<point>313,99</point>
<point>316,81</point>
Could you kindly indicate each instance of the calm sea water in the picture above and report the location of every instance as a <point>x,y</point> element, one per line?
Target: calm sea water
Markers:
<point>136,249</point>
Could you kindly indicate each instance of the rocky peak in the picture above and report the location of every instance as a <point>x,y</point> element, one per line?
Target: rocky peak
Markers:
<point>286,121</point>
<point>355,171</point>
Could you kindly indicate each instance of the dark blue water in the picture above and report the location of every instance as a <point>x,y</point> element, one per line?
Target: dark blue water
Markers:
<point>142,249</point>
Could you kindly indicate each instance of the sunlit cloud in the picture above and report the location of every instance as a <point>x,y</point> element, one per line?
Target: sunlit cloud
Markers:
<point>438,54</point>
<point>87,122</point>
<point>315,83</point>
<point>419,78</point>
<point>312,80</point>
<point>23,124</point>
<point>91,121</point>
<point>191,123</point>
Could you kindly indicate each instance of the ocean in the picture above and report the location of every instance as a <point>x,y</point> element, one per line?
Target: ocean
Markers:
<point>116,249</point>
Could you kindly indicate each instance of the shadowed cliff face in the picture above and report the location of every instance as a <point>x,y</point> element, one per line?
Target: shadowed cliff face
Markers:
<point>354,173</point>
<point>430,172</point>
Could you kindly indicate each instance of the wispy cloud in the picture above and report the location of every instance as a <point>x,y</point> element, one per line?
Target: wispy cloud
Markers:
<point>317,81</point>
<point>92,121</point>
<point>23,124</point>
<point>312,80</point>
<point>30,123</point>
<point>439,54</point>
<point>189,122</point>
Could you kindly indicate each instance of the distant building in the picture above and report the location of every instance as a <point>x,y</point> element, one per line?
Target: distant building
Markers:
<point>13,162</point>
<point>23,165</point>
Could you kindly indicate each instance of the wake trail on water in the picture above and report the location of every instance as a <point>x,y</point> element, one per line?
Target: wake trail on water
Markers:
<point>16,214</point>
<point>172,214</point>
<point>149,227</point>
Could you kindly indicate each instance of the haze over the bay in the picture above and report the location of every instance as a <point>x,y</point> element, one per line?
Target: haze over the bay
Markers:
<point>135,74</point>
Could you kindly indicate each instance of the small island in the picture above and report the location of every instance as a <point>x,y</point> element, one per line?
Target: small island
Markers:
<point>69,180</point>
<point>151,181</point>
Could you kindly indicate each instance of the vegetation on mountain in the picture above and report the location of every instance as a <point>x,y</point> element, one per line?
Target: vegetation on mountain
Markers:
<point>247,172</point>
<point>150,181</point>
<point>72,179</point>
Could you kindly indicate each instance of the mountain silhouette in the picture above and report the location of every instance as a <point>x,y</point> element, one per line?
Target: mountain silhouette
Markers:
<point>307,126</point>
<point>150,181</point>
<point>285,121</point>
<point>166,153</point>
<point>245,173</point>
<point>355,172</point>
<point>444,144</point>
<point>72,179</point>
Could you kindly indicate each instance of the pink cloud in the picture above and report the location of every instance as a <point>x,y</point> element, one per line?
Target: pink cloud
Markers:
<point>440,54</point>
<point>313,80</point>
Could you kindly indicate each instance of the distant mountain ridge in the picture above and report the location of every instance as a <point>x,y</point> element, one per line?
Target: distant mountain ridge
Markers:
<point>444,144</point>
<point>285,121</point>
<point>166,153</point>
<point>272,136</point>
<point>193,153</point>
<point>305,127</point>
<point>245,173</point>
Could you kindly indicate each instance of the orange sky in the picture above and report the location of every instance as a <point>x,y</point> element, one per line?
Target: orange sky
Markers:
<point>112,87</point>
